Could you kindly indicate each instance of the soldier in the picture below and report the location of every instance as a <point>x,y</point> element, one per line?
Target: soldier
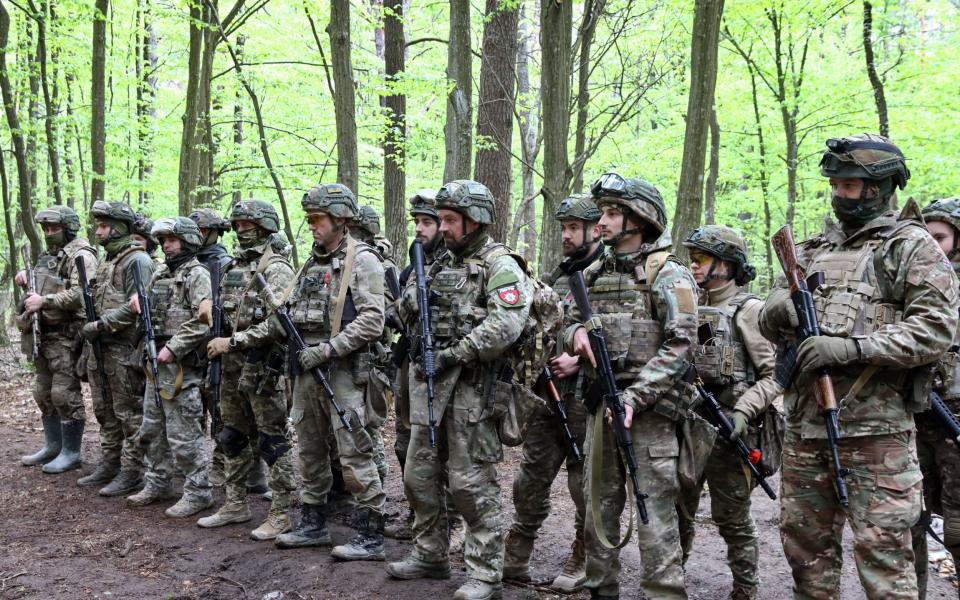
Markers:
<point>179,293</point>
<point>482,302</point>
<point>121,463</point>
<point>252,398</point>
<point>58,303</point>
<point>337,305</point>
<point>736,364</point>
<point>212,226</point>
<point>545,449</point>
<point>939,461</point>
<point>646,300</point>
<point>887,303</point>
<point>141,234</point>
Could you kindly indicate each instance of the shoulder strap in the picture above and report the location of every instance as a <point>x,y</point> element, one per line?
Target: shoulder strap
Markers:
<point>653,264</point>
<point>345,274</point>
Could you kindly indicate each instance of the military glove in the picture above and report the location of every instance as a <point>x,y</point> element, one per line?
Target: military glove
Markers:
<point>445,359</point>
<point>92,331</point>
<point>205,311</point>
<point>218,346</point>
<point>741,423</point>
<point>310,358</point>
<point>824,351</point>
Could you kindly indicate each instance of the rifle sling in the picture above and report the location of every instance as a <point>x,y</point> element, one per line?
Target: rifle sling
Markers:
<point>596,480</point>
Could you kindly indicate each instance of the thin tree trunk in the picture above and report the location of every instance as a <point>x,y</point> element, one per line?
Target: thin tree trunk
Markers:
<point>50,109</point>
<point>146,92</point>
<point>98,109</point>
<point>237,195</point>
<point>78,139</point>
<point>395,138</point>
<point>33,106</point>
<point>8,224</point>
<point>526,216</point>
<point>875,81</point>
<point>591,15</point>
<point>710,204</point>
<point>764,180</point>
<point>458,139</point>
<point>344,102</point>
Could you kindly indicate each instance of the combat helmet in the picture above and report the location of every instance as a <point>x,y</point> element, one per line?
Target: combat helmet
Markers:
<point>636,195</point>
<point>114,211</point>
<point>60,215</point>
<point>207,218</point>
<point>726,244</point>
<point>143,226</point>
<point>580,207</point>
<point>335,199</point>
<point>257,211</point>
<point>946,210</point>
<point>367,220</point>
<point>469,198</point>
<point>424,202</point>
<point>183,228</point>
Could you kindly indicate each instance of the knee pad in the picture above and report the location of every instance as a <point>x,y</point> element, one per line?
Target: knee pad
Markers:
<point>272,447</point>
<point>951,535</point>
<point>233,441</point>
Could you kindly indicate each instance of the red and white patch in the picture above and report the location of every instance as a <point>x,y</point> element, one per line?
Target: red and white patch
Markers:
<point>509,295</point>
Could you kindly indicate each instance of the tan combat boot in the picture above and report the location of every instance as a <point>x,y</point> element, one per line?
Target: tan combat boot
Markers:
<point>743,592</point>
<point>516,559</point>
<point>230,512</point>
<point>188,506</point>
<point>474,589</point>
<point>413,568</point>
<point>575,570</point>
<point>278,521</point>
<point>150,494</point>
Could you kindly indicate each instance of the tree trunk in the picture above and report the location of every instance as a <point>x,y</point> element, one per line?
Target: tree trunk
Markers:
<point>195,142</point>
<point>591,15</point>
<point>710,206</point>
<point>703,80</point>
<point>525,220</point>
<point>343,101</point>
<point>875,80</point>
<point>194,58</point>
<point>32,100</point>
<point>764,181</point>
<point>556,23</point>
<point>74,125</point>
<point>395,138</point>
<point>457,131</point>
<point>49,106</point>
<point>98,106</point>
<point>237,194</point>
<point>495,106</point>
<point>8,221</point>
<point>146,92</point>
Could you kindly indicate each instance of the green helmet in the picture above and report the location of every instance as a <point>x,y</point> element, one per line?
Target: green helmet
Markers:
<point>865,156</point>
<point>258,211</point>
<point>469,198</point>
<point>60,215</point>
<point>424,202</point>
<point>367,220</point>
<point>116,211</point>
<point>332,198</point>
<point>946,210</point>
<point>636,195</point>
<point>144,226</point>
<point>580,207</point>
<point>180,227</point>
<point>726,244</point>
<point>207,218</point>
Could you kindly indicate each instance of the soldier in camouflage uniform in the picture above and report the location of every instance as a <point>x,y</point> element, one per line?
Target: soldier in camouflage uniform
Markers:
<point>252,398</point>
<point>179,293</point>
<point>736,364</point>
<point>482,302</point>
<point>646,300</point>
<point>141,234</point>
<point>117,329</point>
<point>545,449</point>
<point>887,304</point>
<point>337,305</point>
<point>58,302</point>
<point>939,460</point>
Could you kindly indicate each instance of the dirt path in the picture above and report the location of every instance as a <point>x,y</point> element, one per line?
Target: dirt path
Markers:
<point>64,542</point>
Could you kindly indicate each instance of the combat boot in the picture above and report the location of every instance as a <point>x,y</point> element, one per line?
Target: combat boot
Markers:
<point>126,482</point>
<point>312,530</point>
<point>474,589</point>
<point>516,557</point>
<point>104,472</point>
<point>150,494</point>
<point>400,529</point>
<point>71,433</point>
<point>368,543</point>
<point>743,592</point>
<point>230,512</point>
<point>189,505</point>
<point>413,568</point>
<point>51,443</point>
<point>257,478</point>
<point>575,570</point>
<point>278,522</point>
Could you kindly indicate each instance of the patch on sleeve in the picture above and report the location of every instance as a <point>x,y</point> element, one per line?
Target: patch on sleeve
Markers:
<point>503,278</point>
<point>510,296</point>
<point>686,302</point>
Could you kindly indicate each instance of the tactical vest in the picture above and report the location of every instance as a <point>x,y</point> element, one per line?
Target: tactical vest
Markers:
<point>169,303</point>
<point>722,360</point>
<point>109,291</point>
<point>52,273</point>
<point>242,305</point>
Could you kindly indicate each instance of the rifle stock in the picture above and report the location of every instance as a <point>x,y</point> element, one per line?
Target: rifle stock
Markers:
<point>427,350</point>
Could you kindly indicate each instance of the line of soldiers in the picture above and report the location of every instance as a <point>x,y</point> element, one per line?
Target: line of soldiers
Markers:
<point>308,354</point>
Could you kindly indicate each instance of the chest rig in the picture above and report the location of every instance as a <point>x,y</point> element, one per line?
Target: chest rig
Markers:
<point>109,291</point>
<point>53,276</point>
<point>169,303</point>
<point>721,357</point>
<point>242,305</point>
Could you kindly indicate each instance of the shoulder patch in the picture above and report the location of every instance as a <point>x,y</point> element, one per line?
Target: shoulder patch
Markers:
<point>503,278</point>
<point>509,295</point>
<point>686,301</point>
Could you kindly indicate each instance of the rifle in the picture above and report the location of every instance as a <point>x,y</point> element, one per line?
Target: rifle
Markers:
<point>427,355</point>
<point>91,310</point>
<point>393,286</point>
<point>807,315</point>
<point>560,409</point>
<point>215,368</point>
<point>149,336</point>
<point>32,289</point>
<point>611,395</point>
<point>945,417</point>
<point>297,345</point>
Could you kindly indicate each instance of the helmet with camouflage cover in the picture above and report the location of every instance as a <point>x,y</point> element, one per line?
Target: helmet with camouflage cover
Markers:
<point>636,195</point>
<point>367,220</point>
<point>424,202</point>
<point>469,198</point>
<point>260,212</point>
<point>946,210</point>
<point>580,207</point>
<point>143,226</point>
<point>207,218</point>
<point>60,215</point>
<point>335,199</point>
<point>182,228</point>
<point>865,156</point>
<point>114,211</point>
<point>726,244</point>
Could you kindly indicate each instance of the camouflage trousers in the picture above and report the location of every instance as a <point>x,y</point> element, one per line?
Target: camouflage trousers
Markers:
<point>255,420</point>
<point>940,465</point>
<point>56,388</point>
<point>316,421</point>
<point>120,419</point>
<point>656,448</point>
<point>401,410</point>
<point>467,452</point>
<point>173,433</point>
<point>884,486</point>
<point>730,489</point>
<point>545,450</point>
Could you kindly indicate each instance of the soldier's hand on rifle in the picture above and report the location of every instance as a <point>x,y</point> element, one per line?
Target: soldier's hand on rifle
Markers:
<point>581,346</point>
<point>205,311</point>
<point>564,366</point>
<point>781,308</point>
<point>310,358</point>
<point>823,351</point>
<point>33,303</point>
<point>218,346</point>
<point>627,416</point>
<point>134,303</point>
<point>92,331</point>
<point>445,359</point>
<point>21,278</point>
<point>741,423</point>
<point>166,357</point>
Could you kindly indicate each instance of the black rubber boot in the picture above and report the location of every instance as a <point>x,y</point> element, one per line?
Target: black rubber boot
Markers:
<point>69,458</point>
<point>51,443</point>
<point>368,543</point>
<point>104,472</point>
<point>312,530</point>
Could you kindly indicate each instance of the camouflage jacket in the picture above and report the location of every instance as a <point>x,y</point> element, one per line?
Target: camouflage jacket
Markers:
<point>59,283</point>
<point>115,287</point>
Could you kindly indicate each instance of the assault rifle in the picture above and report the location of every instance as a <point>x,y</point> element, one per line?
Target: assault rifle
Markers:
<point>611,394</point>
<point>427,355</point>
<point>786,251</point>
<point>945,417</point>
<point>215,367</point>
<point>297,345</point>
<point>32,288</point>
<point>561,410</point>
<point>149,336</point>
<point>91,312</point>
<point>392,280</point>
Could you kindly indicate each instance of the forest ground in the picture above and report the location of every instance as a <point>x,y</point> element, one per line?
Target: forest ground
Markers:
<point>61,541</point>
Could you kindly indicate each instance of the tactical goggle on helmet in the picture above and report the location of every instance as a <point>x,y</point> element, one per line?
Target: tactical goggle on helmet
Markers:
<point>640,197</point>
<point>864,157</point>
<point>59,215</point>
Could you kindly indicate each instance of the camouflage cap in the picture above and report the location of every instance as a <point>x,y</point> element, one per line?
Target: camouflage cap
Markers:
<point>207,218</point>
<point>260,212</point>
<point>335,199</point>
<point>865,156</point>
<point>946,210</point>
<point>424,202</point>
<point>636,195</point>
<point>368,220</point>
<point>469,198</point>
<point>180,227</point>
<point>580,207</point>
<point>59,215</point>
<point>116,211</point>
<point>726,244</point>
